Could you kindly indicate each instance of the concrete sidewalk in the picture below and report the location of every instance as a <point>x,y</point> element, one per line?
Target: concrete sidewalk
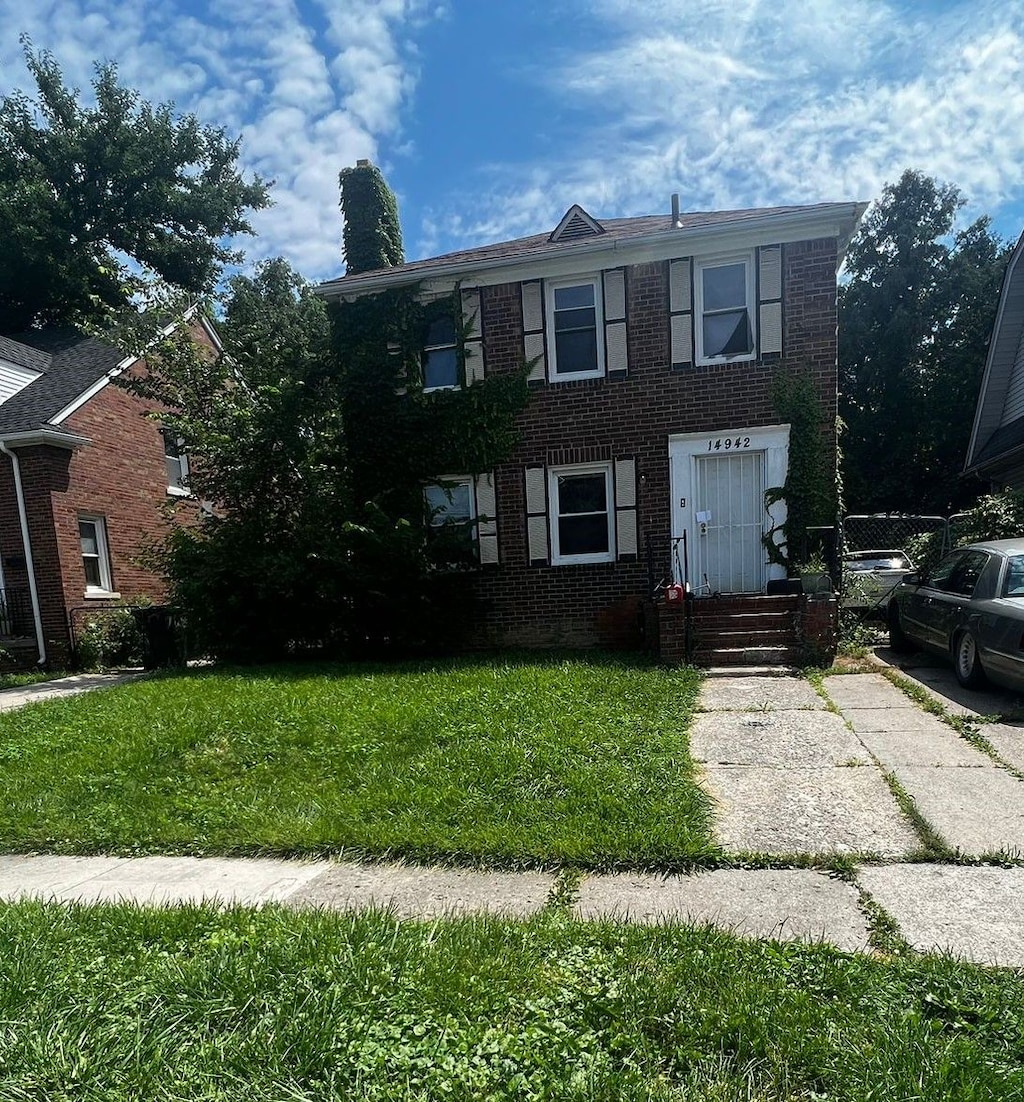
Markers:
<point>72,685</point>
<point>791,773</point>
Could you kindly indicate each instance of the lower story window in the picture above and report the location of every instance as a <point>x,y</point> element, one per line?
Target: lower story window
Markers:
<point>451,511</point>
<point>581,513</point>
<point>92,535</point>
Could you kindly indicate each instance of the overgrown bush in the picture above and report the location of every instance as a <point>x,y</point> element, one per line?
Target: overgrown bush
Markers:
<point>997,516</point>
<point>110,637</point>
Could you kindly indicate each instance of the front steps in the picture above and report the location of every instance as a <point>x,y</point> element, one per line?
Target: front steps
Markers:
<point>746,631</point>
<point>743,631</point>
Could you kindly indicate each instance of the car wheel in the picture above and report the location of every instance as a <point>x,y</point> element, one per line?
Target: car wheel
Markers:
<point>966,663</point>
<point>899,641</point>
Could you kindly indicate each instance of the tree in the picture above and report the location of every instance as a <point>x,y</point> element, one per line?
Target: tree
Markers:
<point>96,201</point>
<point>270,562</point>
<point>915,315</point>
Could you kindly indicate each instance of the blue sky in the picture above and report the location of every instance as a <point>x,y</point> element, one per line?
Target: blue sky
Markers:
<point>489,118</point>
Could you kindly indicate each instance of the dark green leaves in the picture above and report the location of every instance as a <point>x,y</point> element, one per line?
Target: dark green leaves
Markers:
<point>95,202</point>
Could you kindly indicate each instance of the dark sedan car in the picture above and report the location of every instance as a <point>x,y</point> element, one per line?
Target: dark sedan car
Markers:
<point>970,608</point>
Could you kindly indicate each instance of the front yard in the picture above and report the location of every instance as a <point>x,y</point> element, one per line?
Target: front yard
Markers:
<point>509,761</point>
<point>194,1003</point>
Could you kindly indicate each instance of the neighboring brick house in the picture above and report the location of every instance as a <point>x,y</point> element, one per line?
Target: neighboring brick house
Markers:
<point>85,477</point>
<point>654,342</point>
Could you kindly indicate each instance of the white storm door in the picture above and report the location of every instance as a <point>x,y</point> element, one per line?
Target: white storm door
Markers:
<point>730,494</point>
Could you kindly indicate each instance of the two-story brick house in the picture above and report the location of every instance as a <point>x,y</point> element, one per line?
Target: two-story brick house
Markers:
<point>85,476</point>
<point>654,342</point>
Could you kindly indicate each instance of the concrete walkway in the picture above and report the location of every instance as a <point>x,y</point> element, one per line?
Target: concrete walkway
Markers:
<point>792,774</point>
<point>73,685</point>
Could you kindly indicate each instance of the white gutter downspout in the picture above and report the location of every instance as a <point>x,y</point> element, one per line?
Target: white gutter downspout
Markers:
<point>27,543</point>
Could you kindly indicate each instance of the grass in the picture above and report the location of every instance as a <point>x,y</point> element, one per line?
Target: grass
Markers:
<point>28,677</point>
<point>119,1003</point>
<point>533,761</point>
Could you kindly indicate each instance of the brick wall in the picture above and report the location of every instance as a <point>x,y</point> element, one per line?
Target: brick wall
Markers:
<point>596,419</point>
<point>120,476</point>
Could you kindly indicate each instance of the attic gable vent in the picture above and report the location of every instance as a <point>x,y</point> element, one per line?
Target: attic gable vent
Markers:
<point>576,223</point>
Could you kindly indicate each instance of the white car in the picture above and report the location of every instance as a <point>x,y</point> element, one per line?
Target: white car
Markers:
<point>869,578</point>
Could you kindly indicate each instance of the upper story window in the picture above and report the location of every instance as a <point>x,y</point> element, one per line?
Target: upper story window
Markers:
<point>176,462</point>
<point>574,325</point>
<point>92,536</point>
<point>725,306</point>
<point>440,355</point>
<point>580,500</point>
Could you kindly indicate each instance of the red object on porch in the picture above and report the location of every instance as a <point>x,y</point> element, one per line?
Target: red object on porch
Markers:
<point>674,594</point>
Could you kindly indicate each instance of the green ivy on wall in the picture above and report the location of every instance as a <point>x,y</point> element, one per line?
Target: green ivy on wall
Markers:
<point>811,487</point>
<point>373,232</point>
<point>400,437</point>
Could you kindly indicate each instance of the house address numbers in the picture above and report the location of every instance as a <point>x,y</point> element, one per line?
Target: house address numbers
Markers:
<point>728,443</point>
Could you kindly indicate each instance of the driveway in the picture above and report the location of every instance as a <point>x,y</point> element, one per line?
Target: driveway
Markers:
<point>937,677</point>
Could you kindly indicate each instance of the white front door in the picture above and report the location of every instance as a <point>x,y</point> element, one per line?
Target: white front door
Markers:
<point>729,552</point>
<point>718,484</point>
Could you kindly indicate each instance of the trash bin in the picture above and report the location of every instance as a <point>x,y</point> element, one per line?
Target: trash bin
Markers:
<point>160,634</point>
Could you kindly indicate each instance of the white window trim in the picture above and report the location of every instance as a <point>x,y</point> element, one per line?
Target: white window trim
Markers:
<point>178,489</point>
<point>435,348</point>
<point>557,558</point>
<point>700,264</point>
<point>550,285</point>
<point>106,587</point>
<point>443,483</point>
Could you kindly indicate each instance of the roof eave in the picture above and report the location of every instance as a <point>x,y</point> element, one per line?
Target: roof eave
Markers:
<point>840,219</point>
<point>25,438</point>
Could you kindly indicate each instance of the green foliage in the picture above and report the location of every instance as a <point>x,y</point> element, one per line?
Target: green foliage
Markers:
<point>915,315</point>
<point>110,637</point>
<point>232,1003</point>
<point>373,233</point>
<point>810,490</point>
<point>996,516</point>
<point>401,437</point>
<point>510,760</point>
<point>313,447</point>
<point>88,192</point>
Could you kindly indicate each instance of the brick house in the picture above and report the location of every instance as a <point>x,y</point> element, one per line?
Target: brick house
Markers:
<point>84,479</point>
<point>650,437</point>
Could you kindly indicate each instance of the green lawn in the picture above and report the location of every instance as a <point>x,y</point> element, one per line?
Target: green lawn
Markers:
<point>575,760</point>
<point>116,1003</point>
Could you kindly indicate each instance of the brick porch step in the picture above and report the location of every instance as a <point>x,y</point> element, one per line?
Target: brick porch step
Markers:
<point>748,656</point>
<point>745,603</point>
<point>775,619</point>
<point>746,637</point>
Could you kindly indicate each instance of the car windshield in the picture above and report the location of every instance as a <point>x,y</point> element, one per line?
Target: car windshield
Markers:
<point>1013,586</point>
<point>879,560</point>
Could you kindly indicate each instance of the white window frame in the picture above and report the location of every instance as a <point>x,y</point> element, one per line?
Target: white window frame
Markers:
<point>179,488</point>
<point>557,558</point>
<point>436,348</point>
<point>550,286</point>
<point>106,587</point>
<point>700,266</point>
<point>444,483</point>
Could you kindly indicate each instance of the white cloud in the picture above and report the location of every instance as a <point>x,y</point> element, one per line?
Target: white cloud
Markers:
<point>306,103</point>
<point>742,104</point>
